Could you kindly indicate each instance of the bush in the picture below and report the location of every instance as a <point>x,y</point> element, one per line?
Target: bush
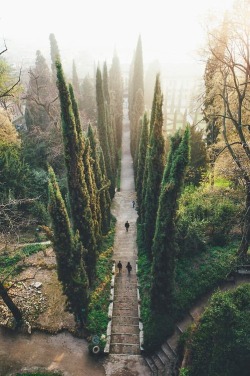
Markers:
<point>206,217</point>
<point>220,343</point>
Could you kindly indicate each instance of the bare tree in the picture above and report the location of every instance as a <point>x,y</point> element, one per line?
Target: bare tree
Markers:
<point>231,99</point>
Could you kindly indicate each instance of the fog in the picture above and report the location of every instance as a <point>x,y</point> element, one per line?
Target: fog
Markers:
<point>89,31</point>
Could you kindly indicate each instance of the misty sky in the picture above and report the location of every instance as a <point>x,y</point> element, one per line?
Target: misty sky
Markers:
<point>171,31</point>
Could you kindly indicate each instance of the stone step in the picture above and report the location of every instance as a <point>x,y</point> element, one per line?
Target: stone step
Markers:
<point>127,320</point>
<point>128,329</point>
<point>120,348</point>
<point>167,351</point>
<point>117,311</point>
<point>158,363</point>
<point>126,305</point>
<point>126,338</point>
<point>125,295</point>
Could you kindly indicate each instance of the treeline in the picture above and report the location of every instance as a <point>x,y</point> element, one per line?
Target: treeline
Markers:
<point>60,168</point>
<point>191,184</point>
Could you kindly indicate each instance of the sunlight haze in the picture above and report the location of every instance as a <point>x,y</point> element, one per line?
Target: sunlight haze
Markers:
<point>171,31</point>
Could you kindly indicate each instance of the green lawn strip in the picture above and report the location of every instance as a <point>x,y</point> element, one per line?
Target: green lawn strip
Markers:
<point>99,297</point>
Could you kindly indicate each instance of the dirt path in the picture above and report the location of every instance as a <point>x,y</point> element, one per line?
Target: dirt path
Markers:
<point>52,352</point>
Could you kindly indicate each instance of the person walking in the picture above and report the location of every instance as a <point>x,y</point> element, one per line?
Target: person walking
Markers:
<point>119,265</point>
<point>133,203</point>
<point>129,267</point>
<point>127,226</point>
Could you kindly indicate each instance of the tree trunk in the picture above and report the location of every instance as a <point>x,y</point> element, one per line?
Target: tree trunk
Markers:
<point>243,248</point>
<point>11,305</point>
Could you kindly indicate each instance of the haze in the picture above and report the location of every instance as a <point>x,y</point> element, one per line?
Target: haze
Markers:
<point>171,31</point>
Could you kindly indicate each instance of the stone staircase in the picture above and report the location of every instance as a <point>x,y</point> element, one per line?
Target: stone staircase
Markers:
<point>125,320</point>
<point>163,362</point>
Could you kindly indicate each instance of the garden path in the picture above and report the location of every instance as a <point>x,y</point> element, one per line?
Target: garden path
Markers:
<point>124,358</point>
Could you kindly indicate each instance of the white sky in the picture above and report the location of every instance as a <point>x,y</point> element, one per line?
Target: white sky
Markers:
<point>171,31</point>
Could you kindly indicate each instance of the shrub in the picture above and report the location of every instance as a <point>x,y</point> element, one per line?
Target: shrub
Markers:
<point>206,217</point>
<point>219,344</point>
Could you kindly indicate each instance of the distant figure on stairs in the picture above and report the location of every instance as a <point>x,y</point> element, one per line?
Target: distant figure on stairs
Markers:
<point>127,226</point>
<point>129,267</point>
<point>119,265</point>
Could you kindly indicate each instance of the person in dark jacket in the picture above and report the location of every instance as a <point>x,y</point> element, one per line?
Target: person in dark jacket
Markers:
<point>119,266</point>
<point>129,267</point>
<point>127,226</point>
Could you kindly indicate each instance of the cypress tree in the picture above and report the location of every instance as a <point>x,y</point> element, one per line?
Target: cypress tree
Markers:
<point>75,82</point>
<point>141,162</point>
<point>88,99</point>
<point>92,189</point>
<point>54,53</point>
<point>155,166</point>
<point>68,249</point>
<point>137,83</point>
<point>103,130</point>
<point>102,184</point>
<point>138,111</point>
<point>109,120</point>
<point>78,192</point>
<point>116,93</point>
<point>103,191</point>
<point>164,248</point>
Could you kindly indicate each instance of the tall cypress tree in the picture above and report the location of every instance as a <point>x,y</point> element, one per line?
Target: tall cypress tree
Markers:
<point>102,183</point>
<point>116,94</point>
<point>92,189</point>
<point>137,83</point>
<point>68,249</point>
<point>109,120</point>
<point>75,82</point>
<point>164,248</point>
<point>105,194</point>
<point>78,192</point>
<point>155,166</point>
<point>103,130</point>
<point>54,53</point>
<point>141,162</point>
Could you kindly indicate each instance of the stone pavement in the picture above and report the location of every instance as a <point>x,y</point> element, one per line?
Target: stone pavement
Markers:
<point>124,358</point>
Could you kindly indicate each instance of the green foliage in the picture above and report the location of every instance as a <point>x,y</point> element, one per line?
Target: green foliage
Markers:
<point>164,247</point>
<point>99,297</point>
<point>116,88</point>
<point>155,167</point>
<point>142,162</point>
<point>197,275</point>
<point>103,131</point>
<point>220,342</point>
<point>78,192</point>
<point>206,217</point>
<point>198,158</point>
<point>69,254</point>
<point>15,173</point>
<point>136,97</point>
<point>101,181</point>
<point>88,101</point>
